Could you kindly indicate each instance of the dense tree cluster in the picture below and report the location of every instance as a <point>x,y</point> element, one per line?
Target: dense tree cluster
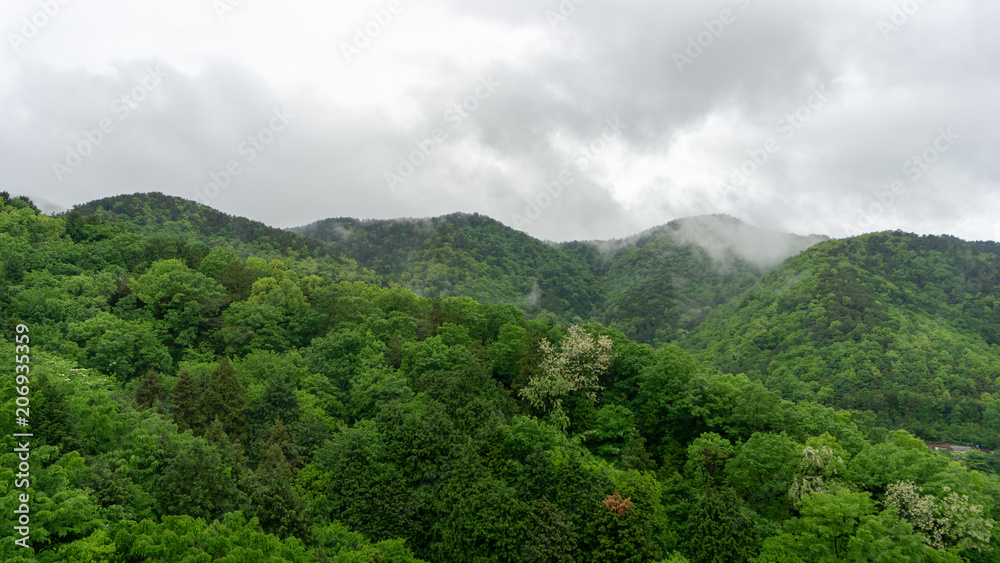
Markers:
<point>193,403</point>
<point>905,326</point>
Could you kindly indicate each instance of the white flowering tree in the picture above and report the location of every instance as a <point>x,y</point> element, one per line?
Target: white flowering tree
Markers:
<point>945,522</point>
<point>819,468</point>
<point>576,365</point>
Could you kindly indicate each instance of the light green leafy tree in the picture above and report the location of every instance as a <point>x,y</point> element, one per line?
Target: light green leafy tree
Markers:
<point>179,298</point>
<point>844,526</point>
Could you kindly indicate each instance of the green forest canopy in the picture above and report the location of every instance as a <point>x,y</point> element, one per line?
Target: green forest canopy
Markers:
<point>196,400</point>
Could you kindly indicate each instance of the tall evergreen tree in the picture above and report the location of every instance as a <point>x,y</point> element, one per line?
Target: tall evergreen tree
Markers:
<point>278,402</point>
<point>276,503</point>
<point>224,399</point>
<point>720,529</point>
<point>278,453</point>
<point>186,403</point>
<point>149,390</point>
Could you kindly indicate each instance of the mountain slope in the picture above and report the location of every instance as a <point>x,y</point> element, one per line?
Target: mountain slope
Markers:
<point>158,215</point>
<point>466,255</point>
<point>665,281</point>
<point>653,286</point>
<point>314,419</point>
<point>904,325</point>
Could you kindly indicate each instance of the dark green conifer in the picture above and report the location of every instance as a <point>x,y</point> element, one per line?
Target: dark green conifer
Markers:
<point>186,403</point>
<point>224,399</point>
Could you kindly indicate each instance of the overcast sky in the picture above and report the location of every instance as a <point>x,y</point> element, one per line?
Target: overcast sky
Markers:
<point>583,119</point>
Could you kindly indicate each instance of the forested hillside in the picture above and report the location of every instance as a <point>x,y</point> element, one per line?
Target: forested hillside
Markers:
<point>193,399</point>
<point>468,255</point>
<point>902,325</point>
<point>654,286</point>
<point>664,282</point>
<point>168,219</point>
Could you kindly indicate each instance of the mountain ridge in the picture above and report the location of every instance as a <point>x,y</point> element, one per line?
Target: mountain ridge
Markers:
<point>844,322</point>
<point>474,255</point>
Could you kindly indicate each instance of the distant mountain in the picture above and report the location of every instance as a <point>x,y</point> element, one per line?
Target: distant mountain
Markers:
<point>653,286</point>
<point>727,239</point>
<point>904,325</point>
<point>158,215</point>
<point>466,255</point>
<point>664,281</point>
<point>155,213</point>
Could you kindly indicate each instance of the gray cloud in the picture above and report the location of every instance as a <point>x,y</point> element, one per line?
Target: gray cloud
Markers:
<point>685,130</point>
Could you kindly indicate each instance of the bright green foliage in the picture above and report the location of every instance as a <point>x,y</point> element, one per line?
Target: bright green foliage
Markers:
<point>118,347</point>
<point>61,509</point>
<point>182,538</point>
<point>204,388</point>
<point>179,300</point>
<point>762,471</point>
<point>341,545</point>
<point>846,526</point>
